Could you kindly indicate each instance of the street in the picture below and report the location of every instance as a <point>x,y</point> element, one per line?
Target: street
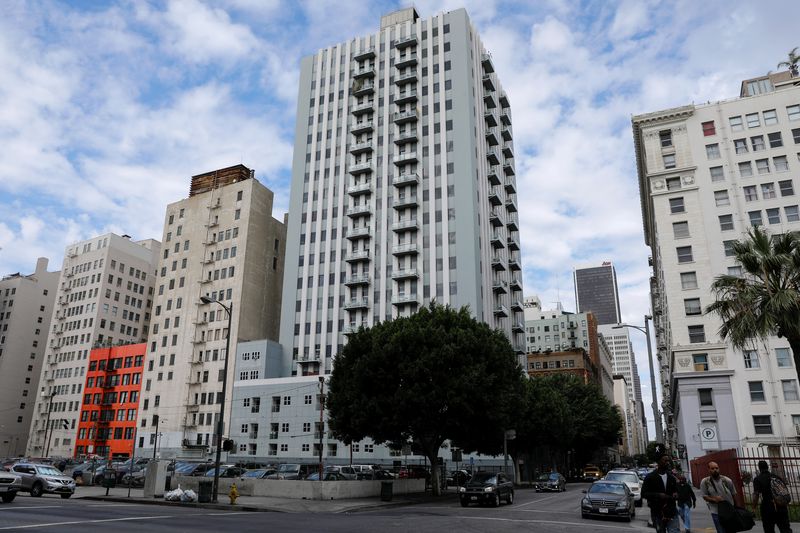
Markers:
<point>547,512</point>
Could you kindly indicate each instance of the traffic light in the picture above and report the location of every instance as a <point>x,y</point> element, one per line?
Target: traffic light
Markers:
<point>227,445</point>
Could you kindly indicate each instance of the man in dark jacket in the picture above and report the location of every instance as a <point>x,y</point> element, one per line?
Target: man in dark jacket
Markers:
<point>660,489</point>
<point>686,501</point>
<point>771,514</point>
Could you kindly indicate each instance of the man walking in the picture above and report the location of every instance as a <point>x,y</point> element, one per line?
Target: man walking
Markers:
<point>716,488</point>
<point>686,501</point>
<point>660,489</point>
<point>772,513</point>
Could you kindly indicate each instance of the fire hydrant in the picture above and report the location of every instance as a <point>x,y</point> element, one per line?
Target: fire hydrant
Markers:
<point>233,494</point>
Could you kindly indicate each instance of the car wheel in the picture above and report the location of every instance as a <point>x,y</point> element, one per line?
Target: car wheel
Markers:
<point>66,496</point>
<point>510,498</point>
<point>36,490</point>
<point>8,497</point>
<point>464,503</point>
<point>496,502</point>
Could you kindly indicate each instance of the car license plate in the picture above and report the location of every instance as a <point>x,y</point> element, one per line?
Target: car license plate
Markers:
<point>603,510</point>
<point>473,498</point>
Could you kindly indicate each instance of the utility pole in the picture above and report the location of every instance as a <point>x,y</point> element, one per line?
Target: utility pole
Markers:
<point>321,420</point>
<point>155,442</point>
<point>47,427</point>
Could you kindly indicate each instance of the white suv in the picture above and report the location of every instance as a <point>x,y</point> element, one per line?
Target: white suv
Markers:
<point>631,479</point>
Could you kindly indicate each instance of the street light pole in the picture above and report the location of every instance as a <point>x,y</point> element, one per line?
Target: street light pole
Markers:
<point>221,423</point>
<point>656,413</point>
<point>155,442</point>
<point>47,427</point>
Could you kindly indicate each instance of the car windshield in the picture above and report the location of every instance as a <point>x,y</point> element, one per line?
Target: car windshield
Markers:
<point>628,477</point>
<point>554,477</point>
<point>288,468</point>
<point>255,473</point>
<point>483,478</point>
<point>612,488</point>
<point>48,471</point>
<point>543,477</point>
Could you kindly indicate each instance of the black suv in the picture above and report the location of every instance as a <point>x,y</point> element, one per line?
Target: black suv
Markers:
<point>487,487</point>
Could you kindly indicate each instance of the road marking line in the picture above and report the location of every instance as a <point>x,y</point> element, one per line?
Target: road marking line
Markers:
<point>32,526</point>
<point>552,522</point>
<point>16,507</point>
<point>227,514</point>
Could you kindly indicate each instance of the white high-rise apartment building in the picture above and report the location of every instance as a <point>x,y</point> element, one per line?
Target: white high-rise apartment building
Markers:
<point>26,307</point>
<point>103,298</point>
<point>707,173</point>
<point>221,243</point>
<point>403,187</point>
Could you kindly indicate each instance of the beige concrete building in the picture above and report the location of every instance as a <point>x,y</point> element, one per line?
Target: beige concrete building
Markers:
<point>222,243</point>
<point>26,307</point>
<point>103,298</point>
<point>707,173</point>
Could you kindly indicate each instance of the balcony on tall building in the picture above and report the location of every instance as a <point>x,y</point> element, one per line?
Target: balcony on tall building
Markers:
<point>513,264</point>
<point>357,255</point>
<point>498,263</point>
<point>494,176</point>
<point>511,186</point>
<point>360,168</point>
<point>505,131</point>
<point>366,72</point>
<point>518,327</point>
<point>361,126</point>
<point>515,284</point>
<point>192,408</point>
<point>508,152</point>
<point>488,82</point>
<point>493,156</point>
<point>494,217</point>
<point>406,41</point>
<point>504,99</point>
<point>366,53</point>
<point>486,62</point>
<point>68,274</point>
<point>490,117</point>
<point>513,243</point>
<point>405,298</point>
<point>489,100</point>
<point>362,87</point>
<point>405,273</point>
<point>409,115</point>
<point>407,59</point>
<point>357,279</point>
<point>360,109</point>
<point>406,224</point>
<point>405,97</point>
<point>406,77</point>
<point>359,210</point>
<point>349,329</point>
<point>361,148</point>
<point>500,310</point>
<point>505,116</point>
<point>361,232</point>
<point>499,286</point>
<point>357,303</point>
<point>491,136</point>
<point>403,158</point>
<point>512,222</point>
<point>511,205</point>
<point>497,240</point>
<point>494,196</point>
<point>198,341</point>
<point>516,305</point>
<point>402,201</point>
<point>405,179</point>
<point>360,188</point>
<point>406,136</point>
<point>405,248</point>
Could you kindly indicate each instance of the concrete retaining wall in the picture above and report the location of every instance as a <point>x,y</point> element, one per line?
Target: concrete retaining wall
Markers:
<point>308,490</point>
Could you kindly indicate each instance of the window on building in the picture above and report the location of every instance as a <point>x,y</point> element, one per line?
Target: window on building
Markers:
<point>789,387</point>
<point>697,333</point>
<point>726,222</point>
<point>750,193</point>
<point>692,306</point>
<point>768,190</point>
<point>666,138</point>
<point>758,143</point>
<point>735,271</point>
<point>676,205</point>
<point>721,198</point>
<point>706,398</point>
<point>709,129</point>
<point>700,361</point>
<point>781,163</point>
<point>755,218</point>
<point>783,357</point>
<point>791,212</point>
<point>762,424</point>
<point>770,117</point>
<point>673,184</point>
<point>669,160</point>
<point>745,169</point>
<point>684,254</point>
<point>793,111</point>
<point>680,230</point>
<point>775,139</point>
<point>796,135</point>
<point>762,166</point>
<point>752,120</point>
<point>751,359</point>
<point>756,391</point>
<point>727,247</point>
<point>717,174</point>
<point>774,215</point>
<point>712,151</point>
<point>740,145</point>
<point>736,123</point>
<point>688,280</point>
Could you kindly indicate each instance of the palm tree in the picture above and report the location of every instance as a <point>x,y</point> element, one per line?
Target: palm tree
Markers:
<point>791,63</point>
<point>765,299</point>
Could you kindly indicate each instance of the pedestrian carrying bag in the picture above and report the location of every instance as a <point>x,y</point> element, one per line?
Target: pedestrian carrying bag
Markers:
<point>780,492</point>
<point>735,518</point>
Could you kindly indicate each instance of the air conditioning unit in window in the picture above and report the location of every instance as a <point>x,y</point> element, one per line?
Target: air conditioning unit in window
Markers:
<point>797,429</point>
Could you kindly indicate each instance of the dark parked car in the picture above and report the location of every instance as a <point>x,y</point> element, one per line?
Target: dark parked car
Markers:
<point>328,475</point>
<point>261,473</point>
<point>487,487</point>
<point>375,474</point>
<point>457,477</point>
<point>608,498</point>
<point>194,469</point>
<point>227,471</point>
<point>550,482</point>
<point>10,484</point>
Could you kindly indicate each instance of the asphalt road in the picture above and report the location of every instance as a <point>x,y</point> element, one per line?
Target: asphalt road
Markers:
<point>556,513</point>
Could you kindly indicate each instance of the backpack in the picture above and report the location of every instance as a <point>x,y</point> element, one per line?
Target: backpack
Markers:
<point>780,492</point>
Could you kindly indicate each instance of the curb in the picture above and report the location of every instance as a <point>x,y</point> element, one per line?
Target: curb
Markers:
<point>195,505</point>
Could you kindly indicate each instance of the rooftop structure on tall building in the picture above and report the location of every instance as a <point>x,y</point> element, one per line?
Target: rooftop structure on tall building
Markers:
<point>707,173</point>
<point>403,187</point>
<point>103,298</point>
<point>223,245</point>
<point>26,308</point>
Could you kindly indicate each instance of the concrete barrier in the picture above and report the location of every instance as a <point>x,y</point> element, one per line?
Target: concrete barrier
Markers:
<point>308,490</point>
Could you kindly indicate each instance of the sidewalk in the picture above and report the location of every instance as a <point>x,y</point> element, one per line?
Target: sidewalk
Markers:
<point>263,503</point>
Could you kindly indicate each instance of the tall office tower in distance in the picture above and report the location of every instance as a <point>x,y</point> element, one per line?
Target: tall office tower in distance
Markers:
<point>221,243</point>
<point>103,298</point>
<point>26,307</point>
<point>403,187</point>
<point>707,174</point>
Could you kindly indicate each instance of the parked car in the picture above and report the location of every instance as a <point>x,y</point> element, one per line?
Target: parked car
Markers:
<point>550,482</point>
<point>487,487</point>
<point>414,472</point>
<point>194,469</point>
<point>375,474</point>
<point>631,479</point>
<point>261,473</point>
<point>608,498</point>
<point>347,472</point>
<point>40,478</point>
<point>591,473</point>
<point>136,479</point>
<point>642,472</point>
<point>293,471</point>
<point>226,471</point>
<point>87,472</point>
<point>328,475</point>
<point>10,484</point>
<point>457,477</point>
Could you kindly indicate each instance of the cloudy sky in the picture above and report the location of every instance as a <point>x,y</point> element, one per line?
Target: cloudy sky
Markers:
<point>107,108</point>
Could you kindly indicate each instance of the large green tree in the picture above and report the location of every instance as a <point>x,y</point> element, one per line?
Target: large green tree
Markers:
<point>436,375</point>
<point>765,299</point>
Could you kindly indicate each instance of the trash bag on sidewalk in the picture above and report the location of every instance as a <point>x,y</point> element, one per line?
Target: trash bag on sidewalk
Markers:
<point>189,496</point>
<point>174,495</point>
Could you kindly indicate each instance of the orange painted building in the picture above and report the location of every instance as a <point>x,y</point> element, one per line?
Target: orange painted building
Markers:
<point>110,406</point>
